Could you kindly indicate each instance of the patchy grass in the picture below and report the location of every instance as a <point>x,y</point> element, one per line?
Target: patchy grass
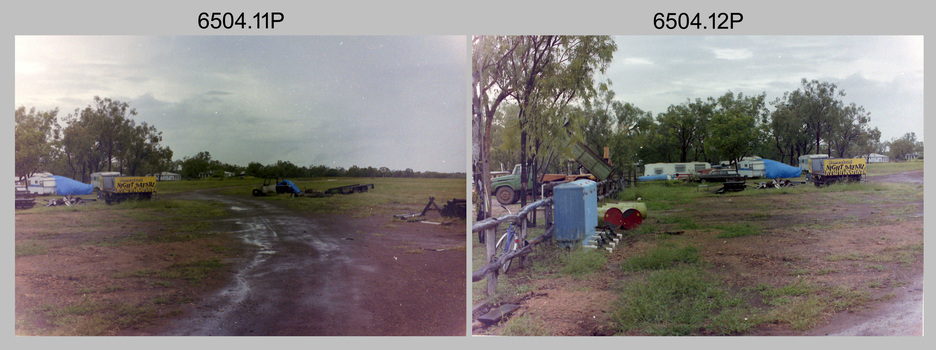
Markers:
<point>27,249</point>
<point>904,255</point>
<point>893,167</point>
<point>667,254</point>
<point>801,313</point>
<point>126,299</point>
<point>738,230</point>
<point>681,222</point>
<point>680,301</point>
<point>581,262</point>
<point>525,325</point>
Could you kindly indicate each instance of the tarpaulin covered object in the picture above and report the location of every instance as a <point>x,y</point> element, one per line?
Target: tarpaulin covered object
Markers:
<point>775,169</point>
<point>65,186</point>
<point>295,189</point>
<point>653,177</point>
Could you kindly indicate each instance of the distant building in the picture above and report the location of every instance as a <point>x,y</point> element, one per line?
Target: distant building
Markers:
<point>876,158</point>
<point>912,156</point>
<point>167,176</point>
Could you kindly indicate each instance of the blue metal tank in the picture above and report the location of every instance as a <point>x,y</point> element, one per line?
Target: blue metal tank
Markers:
<point>576,212</point>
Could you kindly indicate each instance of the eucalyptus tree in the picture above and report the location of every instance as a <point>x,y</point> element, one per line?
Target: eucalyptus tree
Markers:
<point>548,74</point>
<point>736,125</point>
<point>819,104</point>
<point>542,75</point>
<point>36,134</point>
<point>850,133</point>
<point>686,127</point>
<point>787,131</point>
<point>901,147</point>
<point>140,151</point>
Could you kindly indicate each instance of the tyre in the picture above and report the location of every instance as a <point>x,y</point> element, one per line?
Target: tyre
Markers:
<point>257,192</point>
<point>505,195</point>
<point>499,250</point>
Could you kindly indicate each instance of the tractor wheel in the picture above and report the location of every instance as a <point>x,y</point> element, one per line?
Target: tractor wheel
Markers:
<point>257,192</point>
<point>505,195</point>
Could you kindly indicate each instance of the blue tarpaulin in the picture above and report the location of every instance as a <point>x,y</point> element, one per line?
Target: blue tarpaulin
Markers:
<point>291,185</point>
<point>653,177</point>
<point>775,169</point>
<point>65,186</point>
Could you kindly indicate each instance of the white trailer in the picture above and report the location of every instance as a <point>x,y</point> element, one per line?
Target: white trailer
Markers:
<point>673,169</point>
<point>752,167</point>
<point>42,184</point>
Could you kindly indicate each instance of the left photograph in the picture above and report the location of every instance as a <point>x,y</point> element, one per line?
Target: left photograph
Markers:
<point>240,185</point>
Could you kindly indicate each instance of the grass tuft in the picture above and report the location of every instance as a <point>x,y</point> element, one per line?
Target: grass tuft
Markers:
<point>665,255</point>
<point>581,262</point>
<point>680,301</point>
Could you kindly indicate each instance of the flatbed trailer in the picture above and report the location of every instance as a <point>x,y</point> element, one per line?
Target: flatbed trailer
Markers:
<point>349,189</point>
<point>24,198</point>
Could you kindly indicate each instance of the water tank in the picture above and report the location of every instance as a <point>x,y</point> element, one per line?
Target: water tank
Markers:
<point>575,212</point>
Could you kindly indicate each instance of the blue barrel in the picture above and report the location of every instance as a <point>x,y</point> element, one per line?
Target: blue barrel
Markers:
<point>575,211</point>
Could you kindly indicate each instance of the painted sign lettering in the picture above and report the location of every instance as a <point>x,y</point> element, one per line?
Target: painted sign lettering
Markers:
<point>135,184</point>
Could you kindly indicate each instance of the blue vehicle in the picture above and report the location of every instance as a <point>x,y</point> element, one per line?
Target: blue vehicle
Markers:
<point>508,243</point>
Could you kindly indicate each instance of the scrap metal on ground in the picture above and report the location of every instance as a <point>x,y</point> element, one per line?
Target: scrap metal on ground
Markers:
<point>737,184</point>
<point>68,201</point>
<point>349,189</point>
<point>453,208</point>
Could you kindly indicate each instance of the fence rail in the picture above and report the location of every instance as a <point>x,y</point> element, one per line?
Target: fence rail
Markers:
<point>489,226</point>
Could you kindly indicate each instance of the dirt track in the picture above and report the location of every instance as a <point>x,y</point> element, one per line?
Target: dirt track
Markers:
<point>333,275</point>
<point>902,316</point>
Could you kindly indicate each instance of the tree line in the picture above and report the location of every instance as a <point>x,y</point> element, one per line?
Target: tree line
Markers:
<point>105,137</point>
<point>533,95</point>
<point>201,165</point>
<point>101,137</point>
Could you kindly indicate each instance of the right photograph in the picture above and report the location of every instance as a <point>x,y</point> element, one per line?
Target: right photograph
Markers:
<point>697,185</point>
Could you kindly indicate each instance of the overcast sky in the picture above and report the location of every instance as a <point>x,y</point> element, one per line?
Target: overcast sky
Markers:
<point>399,102</point>
<point>882,73</point>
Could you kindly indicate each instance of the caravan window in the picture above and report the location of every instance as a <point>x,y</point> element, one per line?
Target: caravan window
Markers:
<point>658,171</point>
<point>699,166</point>
<point>680,168</point>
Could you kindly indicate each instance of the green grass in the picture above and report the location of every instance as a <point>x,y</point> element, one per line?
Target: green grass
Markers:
<point>91,318</point>
<point>27,249</point>
<point>680,301</point>
<point>801,313</point>
<point>581,262</point>
<point>893,167</point>
<point>665,255</point>
<point>661,195</point>
<point>193,272</point>
<point>525,325</point>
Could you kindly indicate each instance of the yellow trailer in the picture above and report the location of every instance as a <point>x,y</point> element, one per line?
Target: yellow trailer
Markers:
<point>115,188</point>
<point>824,171</point>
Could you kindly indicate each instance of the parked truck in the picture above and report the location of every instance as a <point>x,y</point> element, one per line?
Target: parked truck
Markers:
<point>113,187</point>
<point>824,171</point>
<point>507,188</point>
